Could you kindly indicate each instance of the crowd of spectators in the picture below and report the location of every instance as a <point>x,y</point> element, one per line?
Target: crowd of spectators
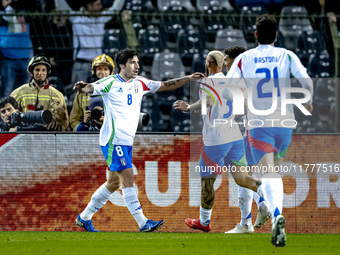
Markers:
<point>71,33</point>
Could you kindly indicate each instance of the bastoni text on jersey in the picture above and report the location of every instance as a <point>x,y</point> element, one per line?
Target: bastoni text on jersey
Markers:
<point>266,60</point>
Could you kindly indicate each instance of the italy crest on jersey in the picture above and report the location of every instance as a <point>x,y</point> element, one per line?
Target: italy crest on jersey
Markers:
<point>123,161</point>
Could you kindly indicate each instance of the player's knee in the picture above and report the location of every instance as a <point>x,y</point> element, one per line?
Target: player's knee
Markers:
<point>113,185</point>
<point>113,182</point>
<point>126,177</point>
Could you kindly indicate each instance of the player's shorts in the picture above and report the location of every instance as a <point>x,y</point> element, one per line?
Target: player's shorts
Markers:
<point>267,140</point>
<point>118,157</point>
<point>249,157</point>
<point>218,158</point>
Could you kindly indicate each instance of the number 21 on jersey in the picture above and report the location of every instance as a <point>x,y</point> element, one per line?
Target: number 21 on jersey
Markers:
<point>267,72</point>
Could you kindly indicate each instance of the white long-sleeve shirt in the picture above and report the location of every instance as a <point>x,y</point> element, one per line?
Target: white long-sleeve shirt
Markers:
<point>88,31</point>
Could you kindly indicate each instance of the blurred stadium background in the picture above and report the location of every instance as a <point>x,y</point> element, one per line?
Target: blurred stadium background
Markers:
<point>174,37</point>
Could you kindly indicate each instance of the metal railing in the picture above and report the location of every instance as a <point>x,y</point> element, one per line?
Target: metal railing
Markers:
<point>55,33</point>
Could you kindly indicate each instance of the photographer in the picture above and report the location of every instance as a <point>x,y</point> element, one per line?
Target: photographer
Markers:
<point>39,95</point>
<point>102,66</point>
<point>94,117</point>
<point>9,111</point>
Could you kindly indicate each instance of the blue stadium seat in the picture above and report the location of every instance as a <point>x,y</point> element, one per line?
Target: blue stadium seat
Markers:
<point>229,37</point>
<point>187,5</point>
<point>114,40</point>
<point>279,41</point>
<point>321,65</point>
<point>138,23</point>
<point>248,20</point>
<point>189,43</point>
<point>198,62</point>
<point>169,29</point>
<point>133,5</point>
<point>240,4</point>
<point>175,6</point>
<point>167,65</point>
<point>139,5</point>
<point>323,100</point>
<point>209,6</point>
<point>309,42</point>
<point>278,2</point>
<point>293,22</point>
<point>170,24</point>
<point>212,20</point>
<point>150,42</point>
<point>324,105</point>
<point>271,5</point>
<point>180,121</point>
<point>210,26</point>
<point>332,124</point>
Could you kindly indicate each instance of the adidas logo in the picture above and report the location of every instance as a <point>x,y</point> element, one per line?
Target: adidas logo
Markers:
<point>120,90</point>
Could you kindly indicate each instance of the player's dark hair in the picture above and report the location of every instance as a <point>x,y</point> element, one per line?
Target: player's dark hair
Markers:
<point>266,28</point>
<point>123,56</point>
<point>233,52</point>
<point>8,100</point>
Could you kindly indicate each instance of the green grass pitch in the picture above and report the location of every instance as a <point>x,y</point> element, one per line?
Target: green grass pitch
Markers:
<point>120,243</point>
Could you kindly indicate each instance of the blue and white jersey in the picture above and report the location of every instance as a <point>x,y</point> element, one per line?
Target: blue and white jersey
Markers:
<point>122,102</point>
<point>218,127</point>
<point>264,68</point>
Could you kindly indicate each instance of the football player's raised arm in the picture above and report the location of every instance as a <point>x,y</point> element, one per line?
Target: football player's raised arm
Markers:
<point>84,87</point>
<point>179,82</point>
<point>194,107</point>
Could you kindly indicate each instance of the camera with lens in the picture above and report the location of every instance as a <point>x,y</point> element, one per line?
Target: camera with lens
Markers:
<point>96,114</point>
<point>24,119</point>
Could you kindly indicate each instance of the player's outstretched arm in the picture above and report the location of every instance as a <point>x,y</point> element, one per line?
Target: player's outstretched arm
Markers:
<point>84,87</point>
<point>195,107</point>
<point>182,105</point>
<point>179,82</point>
